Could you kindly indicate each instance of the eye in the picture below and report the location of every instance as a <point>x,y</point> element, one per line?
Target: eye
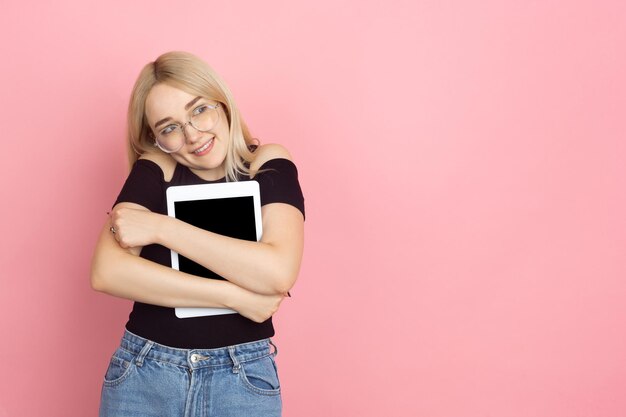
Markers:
<point>168,129</point>
<point>201,109</point>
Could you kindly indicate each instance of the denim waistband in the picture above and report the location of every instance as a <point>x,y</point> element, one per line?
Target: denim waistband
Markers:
<point>196,358</point>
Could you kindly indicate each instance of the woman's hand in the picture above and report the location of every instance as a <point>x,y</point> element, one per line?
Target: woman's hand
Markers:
<point>135,227</point>
<point>256,307</point>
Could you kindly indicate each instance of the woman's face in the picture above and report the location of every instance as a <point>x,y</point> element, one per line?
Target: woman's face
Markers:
<point>203,152</point>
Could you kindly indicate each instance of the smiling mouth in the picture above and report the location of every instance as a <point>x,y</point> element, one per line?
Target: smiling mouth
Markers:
<point>204,147</point>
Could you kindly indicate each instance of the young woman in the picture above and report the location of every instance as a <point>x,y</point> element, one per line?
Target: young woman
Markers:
<point>184,128</point>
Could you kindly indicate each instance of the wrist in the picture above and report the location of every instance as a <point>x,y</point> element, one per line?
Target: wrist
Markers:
<point>233,296</point>
<point>163,229</point>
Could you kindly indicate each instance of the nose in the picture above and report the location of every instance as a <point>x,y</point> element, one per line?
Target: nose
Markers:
<point>191,134</point>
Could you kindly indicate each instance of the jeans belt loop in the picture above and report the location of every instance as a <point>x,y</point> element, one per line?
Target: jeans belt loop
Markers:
<point>233,357</point>
<point>144,351</point>
<point>275,353</point>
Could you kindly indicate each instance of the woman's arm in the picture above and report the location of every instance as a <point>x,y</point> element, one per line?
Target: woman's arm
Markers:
<point>120,272</point>
<point>267,267</point>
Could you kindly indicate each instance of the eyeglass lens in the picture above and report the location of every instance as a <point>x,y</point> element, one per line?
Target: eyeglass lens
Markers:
<point>172,138</point>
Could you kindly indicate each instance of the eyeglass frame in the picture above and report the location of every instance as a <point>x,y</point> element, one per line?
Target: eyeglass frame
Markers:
<point>182,127</point>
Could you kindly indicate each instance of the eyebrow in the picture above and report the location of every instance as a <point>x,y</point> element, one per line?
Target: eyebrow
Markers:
<point>192,102</point>
<point>187,106</point>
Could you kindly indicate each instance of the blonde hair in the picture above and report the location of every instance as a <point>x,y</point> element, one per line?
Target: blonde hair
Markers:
<point>189,73</point>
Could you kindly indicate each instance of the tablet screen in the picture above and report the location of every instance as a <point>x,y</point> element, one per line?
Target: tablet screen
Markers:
<point>232,216</point>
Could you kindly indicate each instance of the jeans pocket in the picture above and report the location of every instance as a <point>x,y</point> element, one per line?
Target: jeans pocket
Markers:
<point>120,367</point>
<point>260,376</point>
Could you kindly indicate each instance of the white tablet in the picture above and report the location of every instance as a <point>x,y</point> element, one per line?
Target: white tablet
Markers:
<point>232,209</point>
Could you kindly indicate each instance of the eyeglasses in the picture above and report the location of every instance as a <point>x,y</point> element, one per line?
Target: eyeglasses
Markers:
<point>172,137</point>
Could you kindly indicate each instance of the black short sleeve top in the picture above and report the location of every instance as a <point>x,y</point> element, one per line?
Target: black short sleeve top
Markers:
<point>145,185</point>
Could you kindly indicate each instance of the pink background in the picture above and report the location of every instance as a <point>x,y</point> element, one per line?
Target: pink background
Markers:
<point>463,167</point>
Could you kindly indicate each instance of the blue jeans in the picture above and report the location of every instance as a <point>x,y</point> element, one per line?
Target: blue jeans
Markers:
<point>148,379</point>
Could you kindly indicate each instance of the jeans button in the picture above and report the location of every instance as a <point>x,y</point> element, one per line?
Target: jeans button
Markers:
<point>194,358</point>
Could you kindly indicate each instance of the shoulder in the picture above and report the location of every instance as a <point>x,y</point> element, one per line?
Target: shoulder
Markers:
<point>278,179</point>
<point>164,161</point>
<point>266,153</point>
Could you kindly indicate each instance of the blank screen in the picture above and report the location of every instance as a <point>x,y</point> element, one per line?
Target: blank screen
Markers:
<point>233,217</point>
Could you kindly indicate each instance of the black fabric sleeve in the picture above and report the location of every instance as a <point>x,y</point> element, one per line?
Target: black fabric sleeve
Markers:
<point>279,183</point>
<point>143,186</point>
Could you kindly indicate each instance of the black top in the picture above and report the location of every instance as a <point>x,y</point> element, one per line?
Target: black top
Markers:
<point>146,186</point>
